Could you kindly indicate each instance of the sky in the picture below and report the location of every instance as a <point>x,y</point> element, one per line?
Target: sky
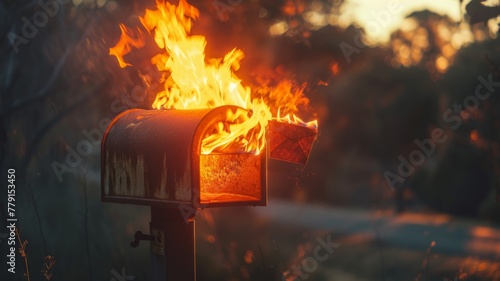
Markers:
<point>381,17</point>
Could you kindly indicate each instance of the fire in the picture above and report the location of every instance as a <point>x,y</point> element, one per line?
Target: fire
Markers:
<point>190,81</point>
<point>124,46</point>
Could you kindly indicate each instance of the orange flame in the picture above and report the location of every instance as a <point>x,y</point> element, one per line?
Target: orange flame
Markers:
<point>124,46</point>
<point>193,82</point>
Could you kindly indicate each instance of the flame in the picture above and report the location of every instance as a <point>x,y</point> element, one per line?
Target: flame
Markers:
<point>293,119</point>
<point>124,46</point>
<point>190,81</point>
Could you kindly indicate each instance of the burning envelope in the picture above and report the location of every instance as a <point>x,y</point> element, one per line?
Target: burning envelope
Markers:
<point>290,142</point>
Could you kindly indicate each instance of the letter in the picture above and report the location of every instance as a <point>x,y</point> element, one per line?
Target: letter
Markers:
<point>438,135</point>
<point>479,95</point>
<point>427,146</point>
<point>414,161</point>
<point>16,40</point>
<point>40,15</point>
<point>138,93</point>
<point>327,245</point>
<point>376,29</point>
<point>12,270</point>
<point>72,158</point>
<point>28,26</point>
<point>471,107</point>
<point>405,164</point>
<point>84,147</point>
<point>188,212</point>
<point>394,7</point>
<point>382,17</point>
<point>309,261</point>
<point>490,83</point>
<point>317,255</point>
<point>296,271</point>
<point>221,8</point>
<point>457,108</point>
<point>149,69</point>
<point>60,169</point>
<point>123,276</point>
<point>357,40</point>
<point>116,109</point>
<point>126,100</point>
<point>50,7</point>
<point>348,50</point>
<point>104,123</point>
<point>94,136</point>
<point>454,118</point>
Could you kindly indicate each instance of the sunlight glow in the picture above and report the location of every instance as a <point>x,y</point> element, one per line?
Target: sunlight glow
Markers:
<point>377,13</point>
<point>278,28</point>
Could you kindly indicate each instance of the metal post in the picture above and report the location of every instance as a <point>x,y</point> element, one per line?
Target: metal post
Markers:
<point>173,252</point>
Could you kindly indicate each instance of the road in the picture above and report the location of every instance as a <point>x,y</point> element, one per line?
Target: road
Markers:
<point>454,237</point>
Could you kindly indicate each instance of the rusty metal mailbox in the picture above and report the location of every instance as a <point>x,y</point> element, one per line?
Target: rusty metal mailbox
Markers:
<point>152,157</point>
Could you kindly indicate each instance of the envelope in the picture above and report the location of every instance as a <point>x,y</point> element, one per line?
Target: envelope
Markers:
<point>290,142</point>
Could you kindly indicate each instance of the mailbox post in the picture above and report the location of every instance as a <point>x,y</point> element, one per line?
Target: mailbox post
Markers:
<point>152,157</point>
<point>173,250</point>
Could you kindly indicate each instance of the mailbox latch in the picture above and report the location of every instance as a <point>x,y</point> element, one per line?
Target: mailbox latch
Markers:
<point>138,236</point>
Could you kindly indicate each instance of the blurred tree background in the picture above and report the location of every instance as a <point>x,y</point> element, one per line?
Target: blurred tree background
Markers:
<point>59,89</point>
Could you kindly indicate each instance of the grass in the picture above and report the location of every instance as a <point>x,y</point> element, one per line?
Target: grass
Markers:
<point>49,261</point>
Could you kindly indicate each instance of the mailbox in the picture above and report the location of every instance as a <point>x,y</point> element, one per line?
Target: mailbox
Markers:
<point>152,157</point>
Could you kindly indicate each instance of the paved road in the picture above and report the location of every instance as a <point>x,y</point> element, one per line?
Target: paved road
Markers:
<point>410,230</point>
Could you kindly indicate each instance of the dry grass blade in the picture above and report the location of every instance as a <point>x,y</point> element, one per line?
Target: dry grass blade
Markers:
<point>22,252</point>
<point>50,261</point>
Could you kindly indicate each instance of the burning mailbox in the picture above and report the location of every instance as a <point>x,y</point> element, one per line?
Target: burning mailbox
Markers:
<point>209,148</point>
<point>153,157</point>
